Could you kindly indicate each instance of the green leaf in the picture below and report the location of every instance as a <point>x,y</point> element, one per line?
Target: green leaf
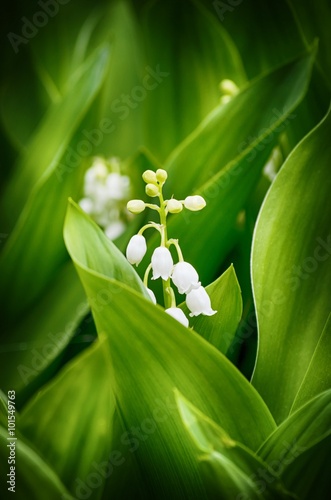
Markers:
<point>219,329</point>
<point>308,476</point>
<point>146,345</point>
<point>32,349</point>
<point>53,136</point>
<point>290,259</point>
<point>195,53</point>
<point>231,468</point>
<point>33,477</point>
<point>305,427</point>
<point>318,377</point>
<point>76,438</point>
<point>41,222</point>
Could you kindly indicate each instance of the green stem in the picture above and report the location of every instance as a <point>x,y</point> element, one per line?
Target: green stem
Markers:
<point>151,224</point>
<point>164,241</point>
<point>147,274</point>
<point>178,249</point>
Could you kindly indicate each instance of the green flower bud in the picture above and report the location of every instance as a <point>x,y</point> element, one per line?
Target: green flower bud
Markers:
<point>228,87</point>
<point>161,175</point>
<point>174,206</point>
<point>149,177</point>
<point>152,190</point>
<point>135,206</point>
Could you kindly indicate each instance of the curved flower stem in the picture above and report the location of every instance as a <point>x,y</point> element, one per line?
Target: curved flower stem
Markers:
<point>178,249</point>
<point>147,274</point>
<point>172,297</point>
<point>151,224</point>
<point>152,206</point>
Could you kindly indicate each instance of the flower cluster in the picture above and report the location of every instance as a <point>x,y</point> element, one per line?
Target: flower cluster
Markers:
<point>182,274</point>
<point>106,192</point>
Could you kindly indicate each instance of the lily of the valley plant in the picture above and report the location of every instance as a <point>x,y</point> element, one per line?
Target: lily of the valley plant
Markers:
<point>182,274</point>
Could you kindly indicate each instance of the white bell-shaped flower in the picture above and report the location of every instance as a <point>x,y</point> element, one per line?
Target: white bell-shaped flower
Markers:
<point>162,263</point>
<point>152,295</point>
<point>185,277</point>
<point>136,249</point>
<point>198,302</point>
<point>178,314</point>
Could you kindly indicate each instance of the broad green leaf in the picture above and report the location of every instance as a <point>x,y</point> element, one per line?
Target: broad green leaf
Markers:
<point>308,476</point>
<point>305,427</point>
<point>219,329</point>
<point>194,53</point>
<point>33,476</point>
<point>76,438</point>
<point>37,342</point>
<point>152,354</point>
<point>318,377</point>
<point>55,131</point>
<point>225,171</point>
<point>41,221</point>
<point>233,470</point>
<point>291,270</point>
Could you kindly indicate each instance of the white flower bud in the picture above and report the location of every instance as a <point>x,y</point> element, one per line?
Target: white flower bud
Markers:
<point>174,206</point>
<point>136,249</point>
<point>135,206</point>
<point>162,263</point>
<point>194,203</point>
<point>178,314</point>
<point>152,295</point>
<point>152,190</point>
<point>161,175</point>
<point>185,277</point>
<point>198,302</point>
<point>149,177</point>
